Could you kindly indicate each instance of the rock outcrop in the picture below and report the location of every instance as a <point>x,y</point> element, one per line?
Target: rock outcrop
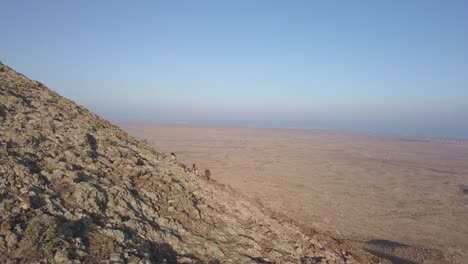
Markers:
<point>74,188</point>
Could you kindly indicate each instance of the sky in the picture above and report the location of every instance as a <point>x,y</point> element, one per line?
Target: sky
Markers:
<point>398,67</point>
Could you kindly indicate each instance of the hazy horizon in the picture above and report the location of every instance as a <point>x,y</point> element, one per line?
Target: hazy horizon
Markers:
<point>391,68</point>
<point>372,129</point>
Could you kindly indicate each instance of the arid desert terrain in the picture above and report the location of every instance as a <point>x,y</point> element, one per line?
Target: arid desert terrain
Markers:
<point>74,188</point>
<point>386,189</point>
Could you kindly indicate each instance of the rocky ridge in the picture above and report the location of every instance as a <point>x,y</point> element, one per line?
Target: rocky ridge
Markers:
<point>76,189</point>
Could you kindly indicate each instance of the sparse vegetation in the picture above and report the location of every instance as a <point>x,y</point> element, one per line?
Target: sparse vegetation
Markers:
<point>41,239</point>
<point>101,246</point>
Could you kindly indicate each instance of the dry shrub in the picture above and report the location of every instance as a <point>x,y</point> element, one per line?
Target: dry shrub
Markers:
<point>65,190</point>
<point>101,246</point>
<point>41,239</point>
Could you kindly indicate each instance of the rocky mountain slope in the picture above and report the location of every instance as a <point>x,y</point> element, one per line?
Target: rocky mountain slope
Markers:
<point>76,189</point>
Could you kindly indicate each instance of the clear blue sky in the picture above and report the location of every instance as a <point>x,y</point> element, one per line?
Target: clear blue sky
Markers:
<point>380,66</point>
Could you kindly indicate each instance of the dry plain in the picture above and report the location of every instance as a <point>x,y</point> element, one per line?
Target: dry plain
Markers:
<point>357,186</point>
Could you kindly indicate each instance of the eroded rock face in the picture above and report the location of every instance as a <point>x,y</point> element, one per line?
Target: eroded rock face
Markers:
<point>74,188</point>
